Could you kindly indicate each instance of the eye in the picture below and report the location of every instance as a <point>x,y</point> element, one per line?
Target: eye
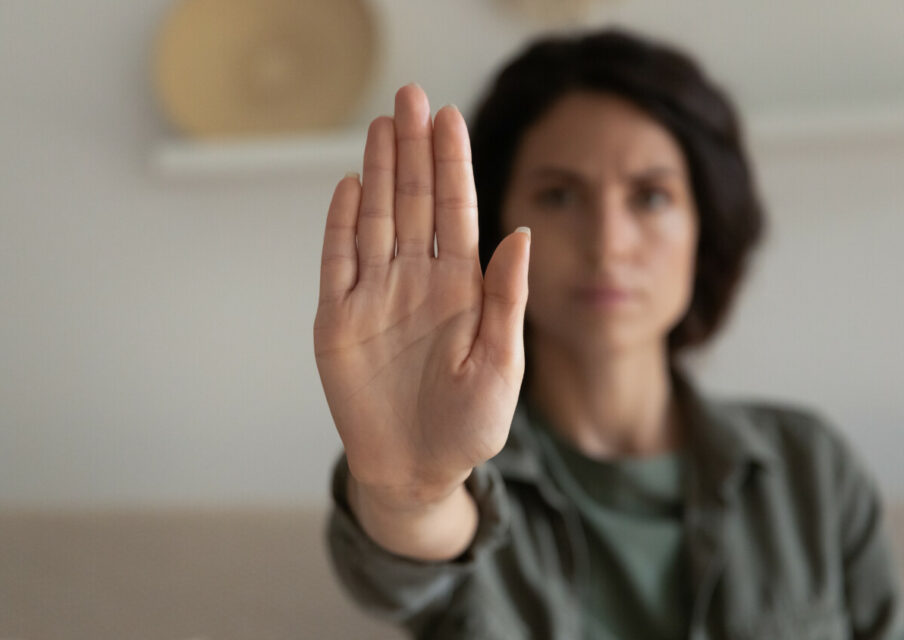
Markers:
<point>651,198</point>
<point>557,197</point>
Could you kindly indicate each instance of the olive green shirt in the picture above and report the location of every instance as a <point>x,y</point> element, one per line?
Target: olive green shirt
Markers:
<point>631,509</point>
<point>784,538</point>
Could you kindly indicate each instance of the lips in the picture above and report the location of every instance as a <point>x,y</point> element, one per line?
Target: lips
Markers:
<point>600,295</point>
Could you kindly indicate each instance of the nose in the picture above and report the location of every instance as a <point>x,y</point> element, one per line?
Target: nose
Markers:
<point>612,234</point>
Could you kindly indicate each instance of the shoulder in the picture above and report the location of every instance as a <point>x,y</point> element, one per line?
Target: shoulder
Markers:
<point>792,428</point>
<point>814,475</point>
<point>805,442</point>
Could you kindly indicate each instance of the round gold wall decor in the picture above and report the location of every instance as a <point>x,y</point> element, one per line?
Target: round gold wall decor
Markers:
<point>227,68</point>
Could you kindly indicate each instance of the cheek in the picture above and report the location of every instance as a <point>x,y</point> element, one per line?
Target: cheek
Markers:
<point>544,269</point>
<point>548,274</point>
<point>677,257</point>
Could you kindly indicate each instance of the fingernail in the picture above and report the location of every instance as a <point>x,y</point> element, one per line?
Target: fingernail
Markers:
<point>353,174</point>
<point>524,230</point>
<point>452,106</point>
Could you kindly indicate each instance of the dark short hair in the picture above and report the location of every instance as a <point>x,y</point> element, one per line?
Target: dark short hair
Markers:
<point>668,85</point>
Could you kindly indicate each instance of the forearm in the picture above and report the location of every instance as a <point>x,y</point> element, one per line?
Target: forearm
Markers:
<point>434,531</point>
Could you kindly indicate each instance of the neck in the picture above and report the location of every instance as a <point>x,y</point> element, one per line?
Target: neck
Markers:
<point>613,404</point>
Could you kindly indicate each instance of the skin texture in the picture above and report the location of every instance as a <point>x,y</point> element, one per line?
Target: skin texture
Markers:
<point>420,356</point>
<point>606,192</point>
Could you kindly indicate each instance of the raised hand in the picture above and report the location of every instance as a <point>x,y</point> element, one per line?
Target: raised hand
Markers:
<point>420,356</point>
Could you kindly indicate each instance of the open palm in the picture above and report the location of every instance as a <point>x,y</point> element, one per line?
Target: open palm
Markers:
<point>420,356</point>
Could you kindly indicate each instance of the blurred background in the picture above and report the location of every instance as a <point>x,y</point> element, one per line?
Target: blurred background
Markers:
<point>161,214</point>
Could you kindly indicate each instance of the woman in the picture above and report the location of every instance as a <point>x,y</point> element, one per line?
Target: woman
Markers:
<point>606,497</point>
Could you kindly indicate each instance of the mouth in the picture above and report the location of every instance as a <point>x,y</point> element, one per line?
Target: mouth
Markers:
<point>603,296</point>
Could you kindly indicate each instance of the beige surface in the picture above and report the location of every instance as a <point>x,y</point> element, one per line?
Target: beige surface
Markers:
<point>179,575</point>
<point>173,575</point>
<point>252,67</point>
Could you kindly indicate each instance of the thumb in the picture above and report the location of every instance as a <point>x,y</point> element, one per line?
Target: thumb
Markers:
<point>501,334</point>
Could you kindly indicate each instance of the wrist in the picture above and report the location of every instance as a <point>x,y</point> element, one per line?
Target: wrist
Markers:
<point>440,529</point>
<point>407,500</point>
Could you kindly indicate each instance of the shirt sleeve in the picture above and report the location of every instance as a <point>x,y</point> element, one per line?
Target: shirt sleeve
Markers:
<point>871,581</point>
<point>400,589</point>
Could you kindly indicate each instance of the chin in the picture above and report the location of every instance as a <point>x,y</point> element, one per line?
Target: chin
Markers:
<point>608,341</point>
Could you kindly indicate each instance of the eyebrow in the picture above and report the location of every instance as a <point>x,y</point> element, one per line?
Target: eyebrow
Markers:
<point>651,173</point>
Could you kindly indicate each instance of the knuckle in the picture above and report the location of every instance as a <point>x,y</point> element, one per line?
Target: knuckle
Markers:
<point>337,229</point>
<point>452,202</point>
<point>499,299</point>
<point>332,258</point>
<point>414,188</point>
<point>456,160</point>
<point>376,167</point>
<point>373,261</point>
<point>411,246</point>
<point>370,211</point>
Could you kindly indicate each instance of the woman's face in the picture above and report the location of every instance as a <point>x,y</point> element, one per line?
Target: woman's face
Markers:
<point>606,193</point>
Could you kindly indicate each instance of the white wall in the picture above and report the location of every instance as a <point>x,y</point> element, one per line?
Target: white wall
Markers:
<point>155,333</point>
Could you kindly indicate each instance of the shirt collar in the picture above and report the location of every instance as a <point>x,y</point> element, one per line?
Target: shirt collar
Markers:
<point>724,439</point>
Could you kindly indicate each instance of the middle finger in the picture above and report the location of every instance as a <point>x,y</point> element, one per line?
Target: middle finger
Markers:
<point>414,173</point>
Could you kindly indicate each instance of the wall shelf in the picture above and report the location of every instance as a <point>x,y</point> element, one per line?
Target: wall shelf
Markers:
<point>328,152</point>
<point>342,151</point>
